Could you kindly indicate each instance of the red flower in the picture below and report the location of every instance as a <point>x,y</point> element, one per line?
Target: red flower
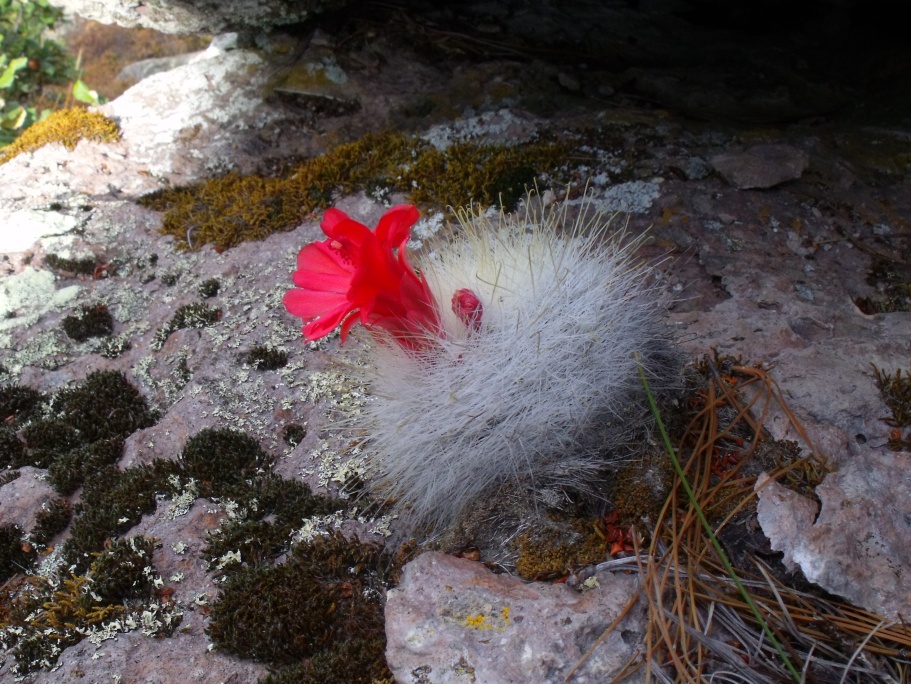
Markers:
<point>359,270</point>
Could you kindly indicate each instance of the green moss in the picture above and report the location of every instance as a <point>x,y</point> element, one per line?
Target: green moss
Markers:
<point>103,406</point>
<point>266,358</point>
<point>293,434</point>
<point>51,520</point>
<point>19,403</point>
<point>228,210</point>
<point>51,617</point>
<point>45,441</point>
<point>188,316</point>
<point>355,661</point>
<point>12,450</point>
<point>115,347</point>
<point>208,288</point>
<point>322,596</point>
<point>15,554</point>
<point>112,502</point>
<point>119,573</point>
<point>87,322</point>
<point>279,505</point>
<point>67,127</point>
<point>221,459</point>
<point>81,266</point>
<point>8,476</point>
<point>67,473</point>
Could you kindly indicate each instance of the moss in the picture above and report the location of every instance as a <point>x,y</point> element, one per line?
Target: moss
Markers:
<point>81,266</point>
<point>112,502</point>
<point>280,507</point>
<point>219,459</point>
<point>894,285</point>
<point>67,127</point>
<point>640,487</point>
<point>119,573</point>
<point>208,288</point>
<point>51,520</point>
<point>188,316</point>
<point>51,617</point>
<point>15,555</point>
<point>228,210</point>
<point>321,597</point>
<point>355,661</point>
<point>12,450</point>
<point>103,406</point>
<point>45,441</point>
<point>87,322</point>
<point>19,403</point>
<point>557,548</point>
<point>293,434</point>
<point>8,476</point>
<point>169,279</point>
<point>67,473</point>
<point>266,358</point>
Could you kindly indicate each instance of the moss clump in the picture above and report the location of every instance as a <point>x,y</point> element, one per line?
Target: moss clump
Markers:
<point>221,459</point>
<point>45,441</point>
<point>19,403</point>
<point>280,505</point>
<point>208,288</point>
<point>67,127</point>
<point>893,283</point>
<point>15,555</point>
<point>87,322</point>
<point>356,661</point>
<point>119,573</point>
<point>558,547</point>
<point>67,473</point>
<point>323,596</point>
<point>293,434</point>
<point>12,450</point>
<point>266,358</point>
<point>81,266</point>
<point>640,487</point>
<point>228,210</point>
<point>51,617</point>
<point>188,316</point>
<point>112,502</point>
<point>103,406</point>
<point>51,520</point>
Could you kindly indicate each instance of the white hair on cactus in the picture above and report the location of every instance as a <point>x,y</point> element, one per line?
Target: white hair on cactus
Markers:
<point>542,389</point>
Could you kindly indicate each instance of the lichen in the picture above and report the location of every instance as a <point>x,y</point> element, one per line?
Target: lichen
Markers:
<point>67,127</point>
<point>188,316</point>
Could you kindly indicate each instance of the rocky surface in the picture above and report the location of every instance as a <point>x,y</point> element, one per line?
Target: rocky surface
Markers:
<point>451,618</point>
<point>197,16</point>
<point>773,275</point>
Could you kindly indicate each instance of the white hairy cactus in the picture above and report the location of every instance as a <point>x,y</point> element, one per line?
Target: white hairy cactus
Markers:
<point>540,388</point>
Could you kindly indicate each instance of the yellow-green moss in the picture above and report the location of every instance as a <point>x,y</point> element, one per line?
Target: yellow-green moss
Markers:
<point>552,551</point>
<point>231,209</point>
<point>67,127</point>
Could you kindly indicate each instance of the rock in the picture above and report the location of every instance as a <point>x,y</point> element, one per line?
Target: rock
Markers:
<point>855,548</point>
<point>761,166</point>
<point>198,16</point>
<point>24,497</point>
<point>452,620</point>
